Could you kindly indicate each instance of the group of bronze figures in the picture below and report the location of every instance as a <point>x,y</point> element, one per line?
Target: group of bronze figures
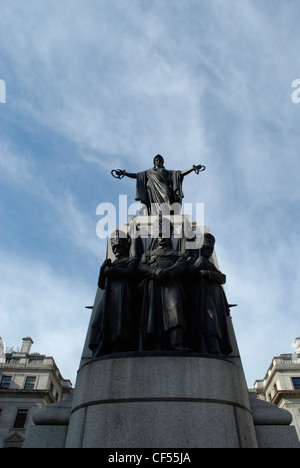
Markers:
<point>165,300</point>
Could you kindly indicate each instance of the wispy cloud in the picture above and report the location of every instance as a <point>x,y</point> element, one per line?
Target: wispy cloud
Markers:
<point>50,307</point>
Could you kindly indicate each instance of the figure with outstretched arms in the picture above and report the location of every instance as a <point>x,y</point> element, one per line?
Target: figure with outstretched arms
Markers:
<point>158,186</point>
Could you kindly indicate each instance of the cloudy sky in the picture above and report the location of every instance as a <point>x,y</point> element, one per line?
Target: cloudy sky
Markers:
<point>93,85</point>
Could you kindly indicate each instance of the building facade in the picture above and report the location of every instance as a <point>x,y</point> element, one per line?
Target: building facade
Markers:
<point>27,381</point>
<point>281,384</point>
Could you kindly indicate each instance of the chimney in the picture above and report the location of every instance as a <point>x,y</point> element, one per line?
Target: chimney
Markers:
<point>2,351</point>
<point>297,344</point>
<point>26,345</point>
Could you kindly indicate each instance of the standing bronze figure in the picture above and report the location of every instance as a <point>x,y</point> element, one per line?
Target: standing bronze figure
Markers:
<point>115,327</point>
<point>208,308</point>
<point>159,187</point>
<point>162,323</point>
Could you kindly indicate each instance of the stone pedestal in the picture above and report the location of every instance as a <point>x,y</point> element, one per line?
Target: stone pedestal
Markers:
<point>51,425</point>
<point>169,400</point>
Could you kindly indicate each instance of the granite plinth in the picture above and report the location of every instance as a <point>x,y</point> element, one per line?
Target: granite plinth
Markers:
<point>161,401</point>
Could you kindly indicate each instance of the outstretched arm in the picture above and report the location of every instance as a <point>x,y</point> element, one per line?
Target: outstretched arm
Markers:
<point>120,173</point>
<point>197,169</point>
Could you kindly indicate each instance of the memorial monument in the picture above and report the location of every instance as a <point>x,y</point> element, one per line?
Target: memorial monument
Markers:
<point>160,366</point>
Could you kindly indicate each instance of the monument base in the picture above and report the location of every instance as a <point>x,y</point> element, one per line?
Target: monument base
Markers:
<point>165,400</point>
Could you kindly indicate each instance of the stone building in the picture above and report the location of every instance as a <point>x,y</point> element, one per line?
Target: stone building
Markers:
<point>281,384</point>
<point>27,381</point>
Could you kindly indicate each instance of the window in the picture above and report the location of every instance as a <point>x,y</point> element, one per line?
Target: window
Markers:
<point>296,383</point>
<point>20,419</point>
<point>5,381</point>
<point>30,383</point>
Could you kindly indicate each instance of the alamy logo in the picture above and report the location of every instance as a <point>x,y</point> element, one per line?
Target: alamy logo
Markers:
<point>2,92</point>
<point>145,225</point>
<point>296,94</point>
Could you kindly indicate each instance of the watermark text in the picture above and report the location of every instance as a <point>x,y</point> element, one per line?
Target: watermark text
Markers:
<point>137,222</point>
<point>296,94</point>
<point>2,92</point>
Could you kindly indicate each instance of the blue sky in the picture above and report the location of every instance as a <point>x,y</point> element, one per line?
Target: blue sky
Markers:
<point>93,85</point>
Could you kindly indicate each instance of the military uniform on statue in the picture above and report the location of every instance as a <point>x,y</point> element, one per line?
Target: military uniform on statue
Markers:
<point>115,327</point>
<point>163,323</point>
<point>207,305</point>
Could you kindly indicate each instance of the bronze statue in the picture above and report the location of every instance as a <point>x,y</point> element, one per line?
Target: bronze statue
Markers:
<point>162,316</point>
<point>159,187</point>
<point>207,306</point>
<point>115,327</point>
